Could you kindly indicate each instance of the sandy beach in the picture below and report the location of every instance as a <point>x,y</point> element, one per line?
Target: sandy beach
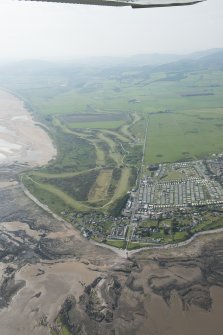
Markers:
<point>21,139</point>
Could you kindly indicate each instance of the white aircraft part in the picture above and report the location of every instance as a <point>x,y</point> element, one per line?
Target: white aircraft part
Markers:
<point>132,3</point>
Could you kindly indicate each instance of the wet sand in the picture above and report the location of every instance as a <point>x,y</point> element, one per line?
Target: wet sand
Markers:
<point>47,286</point>
<point>14,226</point>
<point>21,139</point>
<point>173,320</point>
<point>25,247</point>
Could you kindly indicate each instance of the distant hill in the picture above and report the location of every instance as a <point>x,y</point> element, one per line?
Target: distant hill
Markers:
<point>28,67</point>
<point>154,59</point>
<point>200,54</point>
<point>151,60</point>
<point>78,72</point>
<point>210,60</point>
<point>214,60</point>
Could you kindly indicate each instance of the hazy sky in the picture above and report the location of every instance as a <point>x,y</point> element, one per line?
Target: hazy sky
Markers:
<point>44,30</point>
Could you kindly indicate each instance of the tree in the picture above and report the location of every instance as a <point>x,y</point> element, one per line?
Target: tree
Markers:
<point>160,218</point>
<point>174,225</point>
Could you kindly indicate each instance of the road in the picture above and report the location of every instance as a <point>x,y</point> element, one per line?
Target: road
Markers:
<point>180,244</point>
<point>132,224</point>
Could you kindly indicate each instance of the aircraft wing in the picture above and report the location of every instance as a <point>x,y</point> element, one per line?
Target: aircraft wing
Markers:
<point>132,3</point>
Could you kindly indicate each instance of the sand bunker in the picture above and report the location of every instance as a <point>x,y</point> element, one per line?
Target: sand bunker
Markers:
<point>21,139</point>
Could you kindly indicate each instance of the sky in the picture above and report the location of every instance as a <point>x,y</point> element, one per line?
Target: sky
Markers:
<point>51,31</point>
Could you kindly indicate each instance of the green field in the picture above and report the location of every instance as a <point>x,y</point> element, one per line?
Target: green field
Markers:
<point>97,125</point>
<point>97,119</point>
<point>117,244</point>
<point>186,135</point>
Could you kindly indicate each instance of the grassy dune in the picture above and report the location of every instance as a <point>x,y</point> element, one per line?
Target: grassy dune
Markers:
<point>97,192</point>
<point>77,189</point>
<point>99,189</point>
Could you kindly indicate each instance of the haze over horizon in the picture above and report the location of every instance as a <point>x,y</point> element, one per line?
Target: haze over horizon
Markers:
<point>53,31</point>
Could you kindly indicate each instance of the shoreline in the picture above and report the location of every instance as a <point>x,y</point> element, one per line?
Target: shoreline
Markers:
<point>22,139</point>
<point>122,253</point>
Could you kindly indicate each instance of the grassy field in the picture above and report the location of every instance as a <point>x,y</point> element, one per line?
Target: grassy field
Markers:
<point>98,119</point>
<point>117,244</point>
<point>97,125</point>
<point>187,135</point>
<point>174,175</point>
<point>76,187</point>
<point>137,245</point>
<point>54,197</point>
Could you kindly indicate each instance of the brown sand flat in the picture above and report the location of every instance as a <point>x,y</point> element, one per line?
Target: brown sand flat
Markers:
<point>47,286</point>
<point>13,226</point>
<point>173,320</point>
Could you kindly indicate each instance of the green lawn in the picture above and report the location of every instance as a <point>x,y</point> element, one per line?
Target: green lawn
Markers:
<point>117,244</point>
<point>137,245</point>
